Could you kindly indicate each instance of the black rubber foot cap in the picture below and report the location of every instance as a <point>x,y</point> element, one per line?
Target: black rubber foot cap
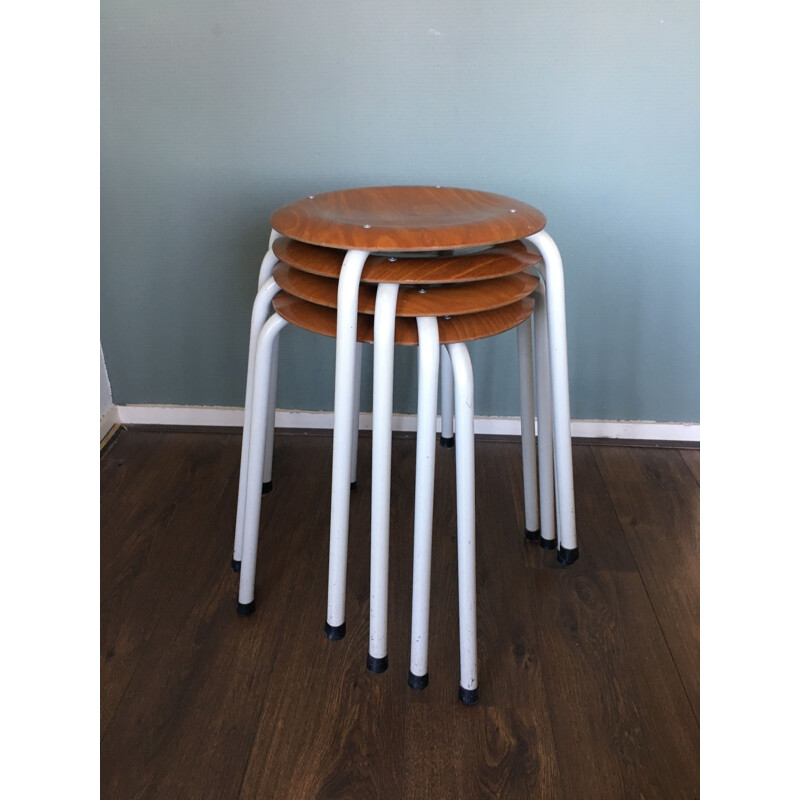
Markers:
<point>353,486</point>
<point>417,682</point>
<point>467,696</point>
<point>266,488</point>
<point>567,557</point>
<point>532,536</point>
<point>246,609</point>
<point>548,544</point>
<point>377,665</point>
<point>447,441</point>
<point>236,566</point>
<point>335,633</point>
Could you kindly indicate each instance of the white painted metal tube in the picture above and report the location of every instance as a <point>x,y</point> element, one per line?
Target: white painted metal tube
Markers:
<point>382,391</point>
<point>255,466</point>
<point>269,441</point>
<point>447,395</point>
<point>268,262</point>
<point>530,478</point>
<point>559,388</point>
<point>465,514</point>
<point>356,412</point>
<point>547,508</point>
<point>258,317</point>
<point>346,321</point>
<point>428,379</point>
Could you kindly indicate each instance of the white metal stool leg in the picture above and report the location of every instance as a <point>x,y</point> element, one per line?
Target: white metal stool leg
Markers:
<point>553,274</point>
<point>354,423</point>
<point>547,507</point>
<point>530,478</point>
<point>382,389</point>
<point>447,438</point>
<point>428,372</point>
<point>346,321</point>
<point>265,273</point>
<point>258,318</point>
<point>269,441</point>
<point>465,513</point>
<point>255,463</point>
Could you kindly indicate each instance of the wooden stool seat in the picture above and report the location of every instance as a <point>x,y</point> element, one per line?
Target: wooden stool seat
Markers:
<point>462,328</point>
<point>412,301</point>
<point>407,218</point>
<point>503,259</point>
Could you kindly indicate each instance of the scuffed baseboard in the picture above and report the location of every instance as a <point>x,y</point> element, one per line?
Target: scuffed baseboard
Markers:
<point>212,416</point>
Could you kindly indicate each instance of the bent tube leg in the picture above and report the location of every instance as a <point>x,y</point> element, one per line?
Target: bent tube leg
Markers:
<point>547,508</point>
<point>559,389</point>
<point>382,390</point>
<point>356,410</point>
<point>447,438</point>
<point>428,380</point>
<point>269,441</point>
<point>258,431</point>
<point>269,261</point>
<point>346,322</point>
<point>465,514</point>
<point>530,478</point>
<point>258,318</point>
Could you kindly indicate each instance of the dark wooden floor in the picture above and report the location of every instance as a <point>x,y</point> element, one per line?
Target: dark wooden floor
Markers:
<point>589,676</point>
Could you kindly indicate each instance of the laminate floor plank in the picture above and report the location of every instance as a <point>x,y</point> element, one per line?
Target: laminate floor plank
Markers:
<point>185,725</point>
<point>584,672</point>
<point>692,459</point>
<point>329,728</point>
<point>143,567</point>
<point>623,726</point>
<point>502,747</point>
<point>658,504</point>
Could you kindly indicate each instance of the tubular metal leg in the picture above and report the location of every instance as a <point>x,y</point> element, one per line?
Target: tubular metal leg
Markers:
<point>428,379</point>
<point>354,424</point>
<point>465,512</point>
<point>269,441</point>
<point>346,320</point>
<point>559,387</point>
<point>255,466</point>
<point>530,478</point>
<point>547,508</point>
<point>267,266</point>
<point>382,389</point>
<point>447,438</point>
<point>258,318</point>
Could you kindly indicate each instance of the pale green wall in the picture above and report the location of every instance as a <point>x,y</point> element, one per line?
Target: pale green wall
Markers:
<point>216,113</point>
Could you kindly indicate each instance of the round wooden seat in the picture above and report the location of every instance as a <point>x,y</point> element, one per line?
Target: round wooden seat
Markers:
<point>407,218</point>
<point>412,301</point>
<point>462,328</point>
<point>503,259</point>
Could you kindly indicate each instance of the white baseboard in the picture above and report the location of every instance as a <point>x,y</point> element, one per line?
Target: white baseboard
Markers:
<point>109,420</point>
<point>234,417</point>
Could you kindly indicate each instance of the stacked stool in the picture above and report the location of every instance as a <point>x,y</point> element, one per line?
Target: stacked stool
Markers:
<point>457,262</point>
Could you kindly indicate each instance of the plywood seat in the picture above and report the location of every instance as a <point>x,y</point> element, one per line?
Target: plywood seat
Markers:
<point>407,218</point>
<point>507,258</point>
<point>413,301</point>
<point>462,328</point>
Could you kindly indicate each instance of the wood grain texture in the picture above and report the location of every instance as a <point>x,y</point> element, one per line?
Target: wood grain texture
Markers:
<point>657,500</point>
<point>407,218</point>
<point>580,695</point>
<point>462,328</point>
<point>503,259</point>
<point>692,459</point>
<point>418,301</point>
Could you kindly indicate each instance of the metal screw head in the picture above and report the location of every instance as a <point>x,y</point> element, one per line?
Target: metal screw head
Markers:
<point>366,226</point>
<point>311,197</point>
<point>422,290</point>
<point>392,258</point>
<point>513,210</point>
<point>447,316</point>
